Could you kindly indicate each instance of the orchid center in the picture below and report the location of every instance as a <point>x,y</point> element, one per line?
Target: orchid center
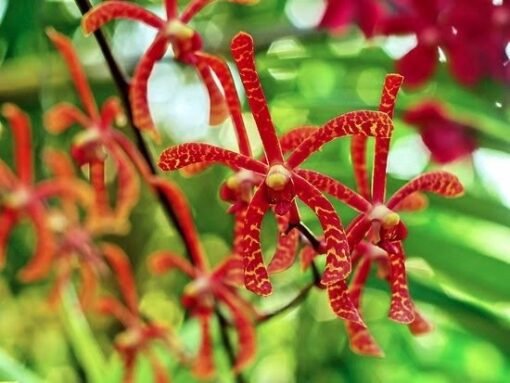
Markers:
<point>278,177</point>
<point>177,29</point>
<point>16,199</point>
<point>388,218</point>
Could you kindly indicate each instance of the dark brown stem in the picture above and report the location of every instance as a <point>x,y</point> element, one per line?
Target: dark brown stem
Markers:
<point>227,345</point>
<point>122,83</point>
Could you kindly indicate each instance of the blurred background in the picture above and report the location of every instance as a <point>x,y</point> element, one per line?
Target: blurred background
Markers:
<point>458,250</point>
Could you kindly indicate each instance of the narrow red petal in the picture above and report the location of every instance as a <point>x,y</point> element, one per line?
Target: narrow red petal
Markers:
<point>179,156</point>
<point>366,123</point>
<point>113,9</point>
<point>286,246</point>
<point>413,202</point>
<point>357,230</point>
<point>256,278</point>
<point>66,49</point>
<point>338,264</point>
<point>336,189</point>
<point>359,164</point>
<point>181,208</point>
<point>224,74</point>
<point>121,267</point>
<point>242,49</point>
<point>128,187</point>
<point>62,116</point>
<point>21,130</point>
<point>418,65</point>
<point>171,9</point>
<point>293,138</point>
<point>419,326</point>
<point>163,261</point>
<point>41,262</point>
<point>361,341</point>
<point>439,182</point>
<point>401,308</point>
<point>72,190</point>
<point>111,306</point>
<point>158,370</point>
<point>101,208</point>
<point>392,84</point>
<point>133,154</point>
<point>218,111</point>
<point>88,285</point>
<point>8,219</point>
<point>246,336</point>
<point>112,112</point>
<point>204,364</point>
<point>138,91</point>
<point>341,303</point>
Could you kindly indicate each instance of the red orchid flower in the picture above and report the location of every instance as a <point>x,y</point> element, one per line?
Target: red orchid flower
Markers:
<point>432,23</point>
<point>139,335</point>
<point>96,143</point>
<point>174,31</point>
<point>340,13</point>
<point>485,26</point>
<point>21,197</point>
<point>75,246</point>
<point>447,139</point>
<point>379,221</point>
<point>208,289</point>
<point>283,182</point>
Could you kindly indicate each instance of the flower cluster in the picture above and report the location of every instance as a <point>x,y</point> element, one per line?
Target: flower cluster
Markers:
<point>473,35</point>
<point>71,215</point>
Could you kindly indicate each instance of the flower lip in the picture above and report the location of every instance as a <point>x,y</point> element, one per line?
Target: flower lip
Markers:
<point>177,29</point>
<point>388,218</point>
<point>278,177</point>
<point>16,199</point>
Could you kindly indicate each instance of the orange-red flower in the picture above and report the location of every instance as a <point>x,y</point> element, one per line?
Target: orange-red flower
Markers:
<point>186,44</point>
<point>379,222</point>
<point>139,335</point>
<point>283,182</point>
<point>209,290</point>
<point>21,197</point>
<point>98,142</point>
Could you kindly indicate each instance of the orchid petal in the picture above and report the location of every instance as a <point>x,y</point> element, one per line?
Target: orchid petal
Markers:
<point>8,219</point>
<point>286,246</point>
<point>20,126</point>
<point>66,49</point>
<point>121,267</point>
<point>181,208</point>
<point>204,364</point>
<point>359,164</point>
<point>222,71</point>
<point>41,262</point>
<point>439,182</point>
<point>242,49</point>
<point>336,189</point>
<point>366,123</point>
<point>256,278</point>
<point>338,264</point>
<point>341,303</point>
<point>113,9</point>
<point>179,156</point>
<point>218,111</point>
<point>163,261</point>
<point>138,91</point>
<point>62,116</point>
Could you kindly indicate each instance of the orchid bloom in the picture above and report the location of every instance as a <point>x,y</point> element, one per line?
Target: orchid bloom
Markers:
<point>283,182</point>
<point>139,335</point>
<point>379,220</point>
<point>433,22</point>
<point>208,288</point>
<point>21,197</point>
<point>446,139</point>
<point>97,142</point>
<point>75,246</point>
<point>340,13</point>
<point>186,44</point>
